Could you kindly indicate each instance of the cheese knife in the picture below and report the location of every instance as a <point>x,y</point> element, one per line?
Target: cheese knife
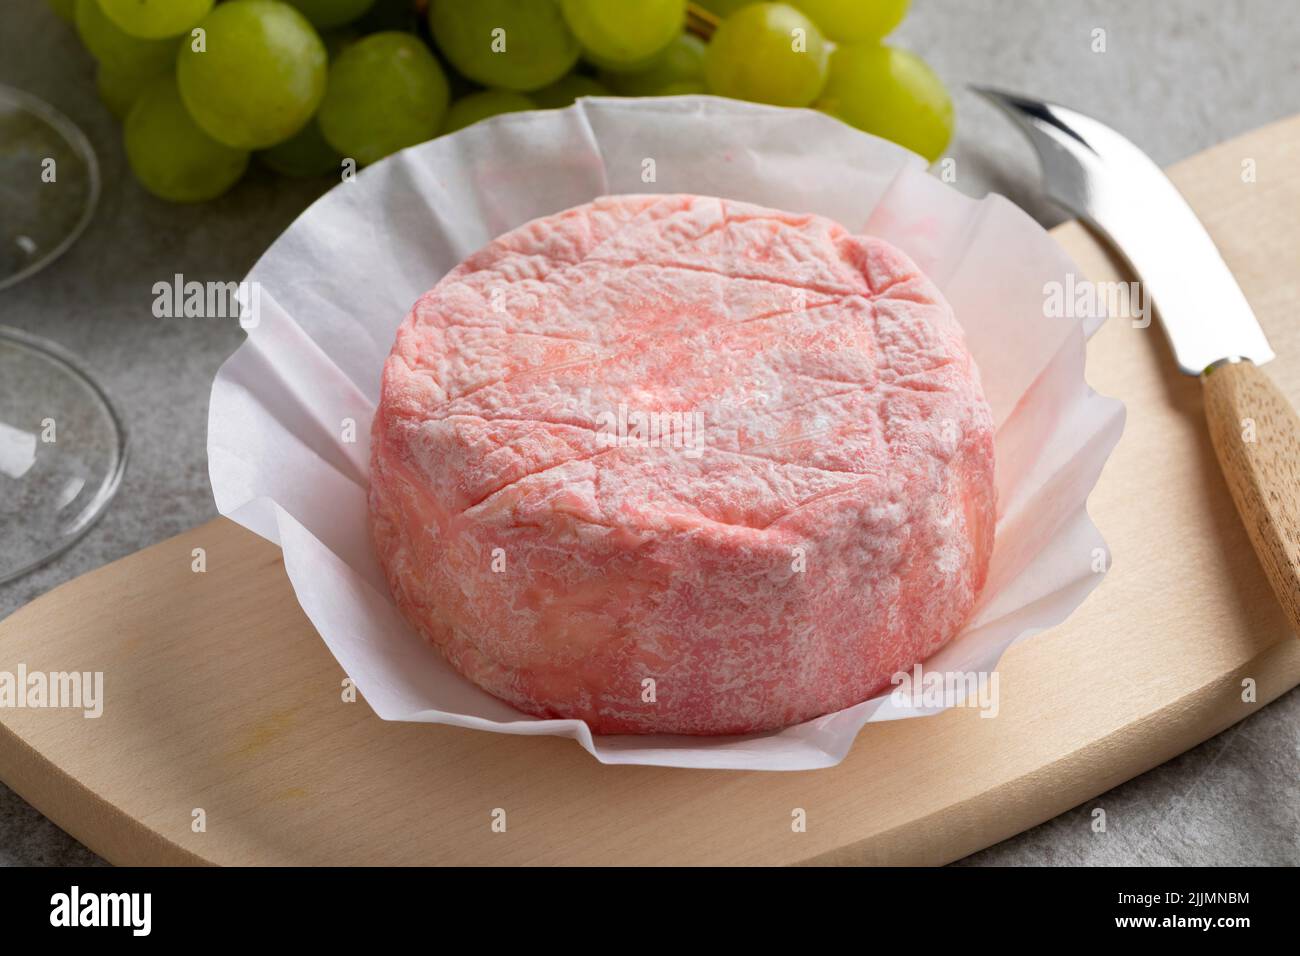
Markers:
<point>1120,193</point>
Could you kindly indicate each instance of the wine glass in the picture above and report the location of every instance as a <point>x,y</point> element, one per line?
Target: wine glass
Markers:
<point>62,443</point>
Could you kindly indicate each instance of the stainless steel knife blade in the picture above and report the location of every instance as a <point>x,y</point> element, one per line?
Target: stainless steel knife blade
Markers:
<point>1109,183</point>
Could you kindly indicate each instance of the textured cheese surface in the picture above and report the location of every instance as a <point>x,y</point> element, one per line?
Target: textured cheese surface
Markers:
<point>813,512</point>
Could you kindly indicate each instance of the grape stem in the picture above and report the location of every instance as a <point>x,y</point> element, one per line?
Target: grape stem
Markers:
<point>701,22</point>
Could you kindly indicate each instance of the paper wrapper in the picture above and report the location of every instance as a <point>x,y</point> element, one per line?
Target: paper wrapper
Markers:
<point>333,289</point>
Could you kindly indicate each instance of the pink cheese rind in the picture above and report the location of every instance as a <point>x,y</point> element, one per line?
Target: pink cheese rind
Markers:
<point>833,526</point>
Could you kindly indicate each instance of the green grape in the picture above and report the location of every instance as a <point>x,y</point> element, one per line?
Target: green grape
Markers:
<point>891,93</point>
<point>260,76</point>
<point>119,90</point>
<point>171,156</point>
<point>508,44</point>
<point>565,91</point>
<point>768,53</point>
<point>682,61</point>
<point>64,8</point>
<point>155,19</point>
<point>120,51</point>
<point>624,36</point>
<point>386,92</point>
<point>854,21</point>
<point>324,14</point>
<point>304,154</point>
<point>468,110</point>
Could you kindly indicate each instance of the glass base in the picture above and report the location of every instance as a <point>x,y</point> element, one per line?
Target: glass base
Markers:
<point>62,452</point>
<point>49,184</point>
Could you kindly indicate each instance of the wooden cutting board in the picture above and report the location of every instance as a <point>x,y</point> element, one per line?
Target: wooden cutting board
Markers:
<point>220,698</point>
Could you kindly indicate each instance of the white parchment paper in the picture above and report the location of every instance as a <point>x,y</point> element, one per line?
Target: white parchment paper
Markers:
<point>333,289</point>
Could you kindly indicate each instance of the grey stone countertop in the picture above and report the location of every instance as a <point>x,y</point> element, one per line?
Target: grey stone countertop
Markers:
<point>1177,76</point>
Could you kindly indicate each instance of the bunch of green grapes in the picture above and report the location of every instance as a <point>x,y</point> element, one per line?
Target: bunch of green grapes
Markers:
<point>829,54</point>
<point>314,87</point>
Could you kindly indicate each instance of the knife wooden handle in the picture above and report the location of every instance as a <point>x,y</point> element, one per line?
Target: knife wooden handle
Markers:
<point>1256,435</point>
